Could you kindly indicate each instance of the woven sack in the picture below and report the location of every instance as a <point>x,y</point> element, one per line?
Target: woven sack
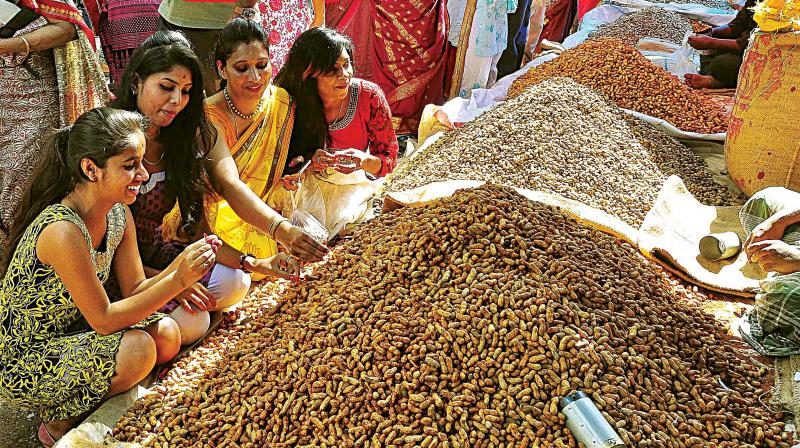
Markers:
<point>762,148</point>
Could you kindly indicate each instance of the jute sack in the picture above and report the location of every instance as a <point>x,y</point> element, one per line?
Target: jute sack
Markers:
<point>762,148</point>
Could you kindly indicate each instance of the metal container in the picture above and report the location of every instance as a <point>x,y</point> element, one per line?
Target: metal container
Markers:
<point>719,246</point>
<point>587,424</point>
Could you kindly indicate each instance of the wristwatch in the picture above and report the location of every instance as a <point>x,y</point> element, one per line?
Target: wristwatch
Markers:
<point>247,13</point>
<point>242,259</point>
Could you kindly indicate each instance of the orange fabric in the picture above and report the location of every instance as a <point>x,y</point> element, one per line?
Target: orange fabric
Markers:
<point>217,116</point>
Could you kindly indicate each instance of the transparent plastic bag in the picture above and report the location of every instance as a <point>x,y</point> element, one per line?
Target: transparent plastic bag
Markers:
<point>335,200</point>
<point>685,60</point>
<point>307,204</point>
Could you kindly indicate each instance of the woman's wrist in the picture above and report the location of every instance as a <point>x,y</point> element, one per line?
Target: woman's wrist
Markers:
<point>372,164</point>
<point>180,280</point>
<point>281,226</point>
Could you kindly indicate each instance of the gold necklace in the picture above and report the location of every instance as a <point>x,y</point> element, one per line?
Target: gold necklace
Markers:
<point>235,110</point>
<point>144,159</point>
<point>336,118</point>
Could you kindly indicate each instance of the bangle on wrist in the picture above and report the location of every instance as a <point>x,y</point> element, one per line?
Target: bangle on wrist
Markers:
<point>27,46</point>
<point>274,226</point>
<point>242,259</point>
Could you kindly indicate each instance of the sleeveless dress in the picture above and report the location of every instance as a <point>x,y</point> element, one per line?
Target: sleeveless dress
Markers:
<point>44,363</point>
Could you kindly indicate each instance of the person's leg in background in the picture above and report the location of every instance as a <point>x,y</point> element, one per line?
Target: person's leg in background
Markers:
<point>511,58</point>
<point>721,72</point>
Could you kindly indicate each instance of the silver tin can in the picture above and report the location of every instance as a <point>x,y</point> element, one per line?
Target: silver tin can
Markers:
<point>587,424</point>
<point>719,246</point>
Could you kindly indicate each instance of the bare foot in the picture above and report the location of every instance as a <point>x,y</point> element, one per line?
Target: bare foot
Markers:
<point>51,432</point>
<point>702,81</point>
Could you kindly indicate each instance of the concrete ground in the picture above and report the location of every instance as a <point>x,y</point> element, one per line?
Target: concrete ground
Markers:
<point>17,427</point>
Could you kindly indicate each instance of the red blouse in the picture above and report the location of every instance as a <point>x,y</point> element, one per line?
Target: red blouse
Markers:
<point>367,125</point>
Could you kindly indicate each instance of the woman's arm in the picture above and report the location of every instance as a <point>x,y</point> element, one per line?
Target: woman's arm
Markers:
<point>128,267</point>
<point>319,13</point>
<point>380,133</point>
<point>723,32</point>
<point>80,279</point>
<point>150,272</point>
<point>55,34</point>
<point>225,178</point>
<point>772,228</point>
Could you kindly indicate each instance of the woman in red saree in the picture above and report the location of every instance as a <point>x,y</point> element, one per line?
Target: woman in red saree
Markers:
<point>401,45</point>
<point>49,75</point>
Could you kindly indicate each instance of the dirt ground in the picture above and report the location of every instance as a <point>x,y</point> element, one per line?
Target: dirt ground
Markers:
<point>17,428</point>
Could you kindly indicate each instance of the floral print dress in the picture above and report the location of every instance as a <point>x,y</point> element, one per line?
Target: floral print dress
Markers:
<point>48,361</point>
<point>284,20</point>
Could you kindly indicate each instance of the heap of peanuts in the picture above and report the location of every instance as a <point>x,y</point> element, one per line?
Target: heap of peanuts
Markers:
<point>650,22</point>
<point>561,137</point>
<point>460,323</point>
<point>631,81</point>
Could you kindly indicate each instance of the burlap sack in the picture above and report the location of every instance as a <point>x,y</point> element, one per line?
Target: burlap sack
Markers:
<point>763,143</point>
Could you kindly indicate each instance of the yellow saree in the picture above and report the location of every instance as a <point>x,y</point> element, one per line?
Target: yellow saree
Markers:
<point>260,155</point>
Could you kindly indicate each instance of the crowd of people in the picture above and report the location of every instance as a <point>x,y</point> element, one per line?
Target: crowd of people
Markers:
<point>135,189</point>
<point>159,192</point>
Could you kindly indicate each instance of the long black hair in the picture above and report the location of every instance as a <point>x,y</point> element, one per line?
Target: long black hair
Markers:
<point>189,137</point>
<point>237,32</point>
<point>314,53</point>
<point>98,135</point>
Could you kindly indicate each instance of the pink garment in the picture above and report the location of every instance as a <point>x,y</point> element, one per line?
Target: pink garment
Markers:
<point>284,20</point>
<point>367,125</point>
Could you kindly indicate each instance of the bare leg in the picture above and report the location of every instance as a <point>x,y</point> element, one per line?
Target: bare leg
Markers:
<point>167,337</point>
<point>135,359</point>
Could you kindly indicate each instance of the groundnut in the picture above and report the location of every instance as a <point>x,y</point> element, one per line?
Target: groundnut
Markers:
<point>563,138</point>
<point>650,22</point>
<point>631,81</point>
<point>474,352</point>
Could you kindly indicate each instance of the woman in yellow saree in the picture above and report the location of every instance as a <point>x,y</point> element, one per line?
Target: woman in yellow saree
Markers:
<point>256,127</point>
<point>253,122</point>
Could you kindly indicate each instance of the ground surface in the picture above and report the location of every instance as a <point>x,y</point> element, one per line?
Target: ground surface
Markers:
<point>17,428</point>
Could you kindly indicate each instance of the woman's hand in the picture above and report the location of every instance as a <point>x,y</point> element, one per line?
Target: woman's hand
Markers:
<point>199,296</point>
<point>775,256</point>
<point>290,182</point>
<point>299,243</point>
<point>350,160</point>
<point>700,42</point>
<point>771,229</point>
<point>281,265</point>
<point>322,160</point>
<point>196,260</point>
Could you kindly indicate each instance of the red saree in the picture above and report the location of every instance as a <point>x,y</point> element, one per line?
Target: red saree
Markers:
<point>557,20</point>
<point>401,46</point>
